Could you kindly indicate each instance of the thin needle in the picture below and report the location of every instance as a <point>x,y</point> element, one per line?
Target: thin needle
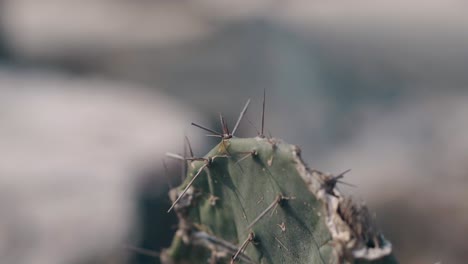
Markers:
<point>224,126</point>
<point>189,146</point>
<point>243,158</point>
<point>251,153</point>
<point>188,186</point>
<point>206,129</point>
<point>346,183</point>
<point>241,116</point>
<point>330,182</point>
<point>341,175</point>
<point>263,113</point>
<point>193,159</point>
<point>281,244</point>
<point>219,136</point>
<point>275,202</point>
<point>252,124</point>
<point>243,246</point>
<point>175,156</point>
<point>143,251</point>
<point>184,164</point>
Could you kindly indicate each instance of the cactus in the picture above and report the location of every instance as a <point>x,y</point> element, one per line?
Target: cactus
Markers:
<point>253,200</point>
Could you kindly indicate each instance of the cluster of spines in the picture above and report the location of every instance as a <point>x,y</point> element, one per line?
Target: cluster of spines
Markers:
<point>226,135</point>
<point>328,184</point>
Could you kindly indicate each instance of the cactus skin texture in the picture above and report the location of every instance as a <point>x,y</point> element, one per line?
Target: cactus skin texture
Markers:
<point>258,201</point>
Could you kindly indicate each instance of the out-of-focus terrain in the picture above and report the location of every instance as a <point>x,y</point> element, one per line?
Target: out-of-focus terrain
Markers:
<point>93,93</point>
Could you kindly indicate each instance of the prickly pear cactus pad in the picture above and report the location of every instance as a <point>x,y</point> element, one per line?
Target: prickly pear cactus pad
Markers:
<point>253,200</point>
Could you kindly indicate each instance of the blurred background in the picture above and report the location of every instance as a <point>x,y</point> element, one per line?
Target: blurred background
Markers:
<point>93,93</point>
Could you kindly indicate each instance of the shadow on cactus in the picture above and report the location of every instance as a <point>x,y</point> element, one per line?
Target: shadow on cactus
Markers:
<point>253,200</point>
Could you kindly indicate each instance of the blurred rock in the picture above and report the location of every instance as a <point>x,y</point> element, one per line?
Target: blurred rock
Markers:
<point>69,28</point>
<point>72,152</point>
<point>421,41</point>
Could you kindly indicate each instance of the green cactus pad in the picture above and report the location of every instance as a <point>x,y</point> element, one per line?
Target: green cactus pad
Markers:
<point>259,188</point>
